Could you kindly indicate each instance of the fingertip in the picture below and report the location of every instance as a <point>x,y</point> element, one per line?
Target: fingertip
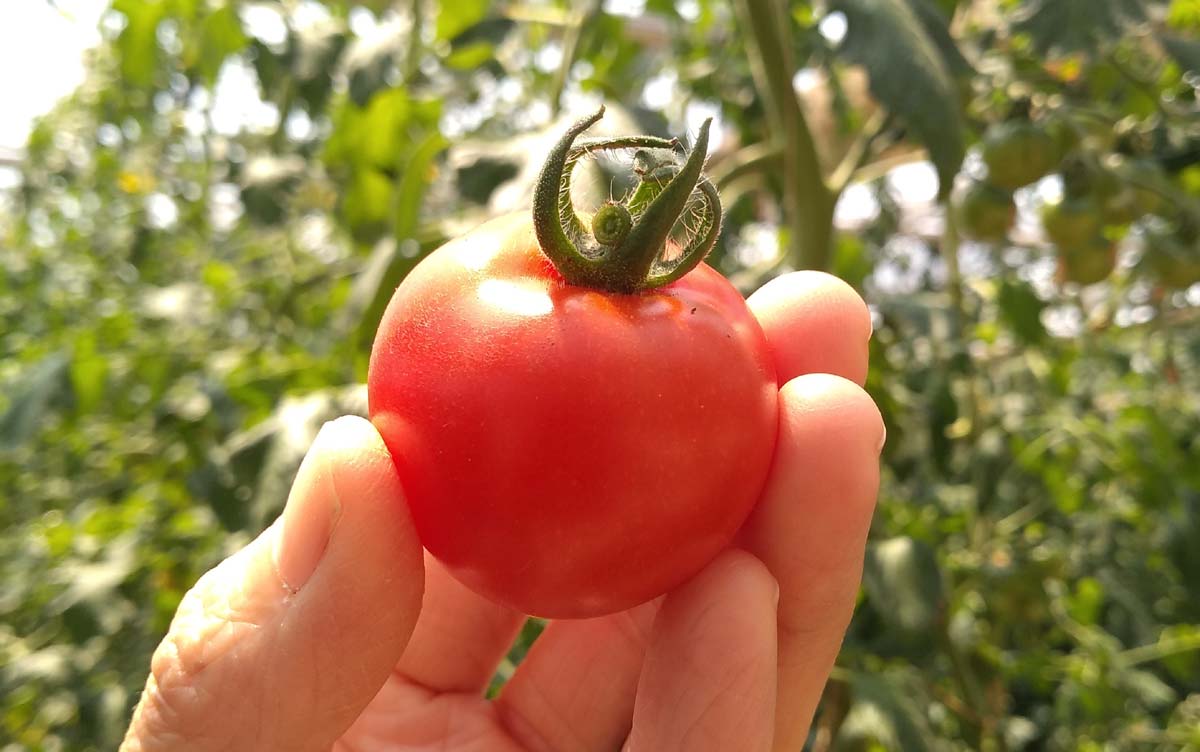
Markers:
<point>814,323</point>
<point>353,441</point>
<point>830,431</point>
<point>375,535</point>
<point>737,572</point>
<point>796,290</point>
<point>823,401</point>
<point>346,508</point>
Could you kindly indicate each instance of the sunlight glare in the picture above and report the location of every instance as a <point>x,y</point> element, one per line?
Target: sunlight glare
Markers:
<point>514,298</point>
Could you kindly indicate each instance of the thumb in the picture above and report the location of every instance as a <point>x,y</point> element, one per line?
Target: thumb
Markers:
<point>283,644</point>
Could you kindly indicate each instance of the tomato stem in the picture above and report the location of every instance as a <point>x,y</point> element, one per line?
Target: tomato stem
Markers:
<point>622,248</point>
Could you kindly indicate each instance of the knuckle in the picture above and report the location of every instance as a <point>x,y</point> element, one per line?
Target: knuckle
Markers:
<point>184,703</point>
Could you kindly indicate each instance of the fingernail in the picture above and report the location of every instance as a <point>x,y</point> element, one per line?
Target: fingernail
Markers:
<point>311,514</point>
<point>882,441</point>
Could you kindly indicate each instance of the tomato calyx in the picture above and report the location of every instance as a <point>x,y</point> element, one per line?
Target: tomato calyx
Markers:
<point>621,249</point>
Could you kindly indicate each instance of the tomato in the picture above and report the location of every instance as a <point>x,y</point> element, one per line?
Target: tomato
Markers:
<point>986,212</point>
<point>1131,191</point>
<point>568,450</point>
<point>1122,207</point>
<point>1063,133</point>
<point>1173,260</point>
<point>1072,222</point>
<point>1018,153</point>
<point>1087,263</point>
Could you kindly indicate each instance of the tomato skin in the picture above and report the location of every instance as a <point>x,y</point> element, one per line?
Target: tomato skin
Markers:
<point>1173,261</point>
<point>1018,153</point>
<point>1088,263</point>
<point>565,451</point>
<point>987,213</point>
<point>1072,222</point>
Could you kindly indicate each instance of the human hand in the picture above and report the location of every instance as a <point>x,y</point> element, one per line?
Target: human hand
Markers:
<point>332,629</point>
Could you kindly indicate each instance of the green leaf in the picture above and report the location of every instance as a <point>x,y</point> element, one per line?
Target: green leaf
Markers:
<point>1181,650</point>
<point>370,61</point>
<point>267,184</point>
<point>413,179</point>
<point>221,35</point>
<point>137,44</point>
<point>904,584</point>
<point>908,76</point>
<point>1064,26</point>
<point>851,259</point>
<point>470,56</point>
<point>375,136</point>
<point>1184,15</point>
<point>366,205</point>
<point>316,48</point>
<point>95,580</point>
<point>1185,51</point>
<point>89,371</point>
<point>935,21</point>
<point>455,18</point>
<point>313,53</point>
<point>883,713</point>
<point>385,128</point>
<point>1085,603</point>
<point>373,288</point>
<point>1021,309</point>
<point>1151,691</point>
<point>35,390</point>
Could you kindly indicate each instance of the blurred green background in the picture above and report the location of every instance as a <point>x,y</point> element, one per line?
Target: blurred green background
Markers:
<point>198,241</point>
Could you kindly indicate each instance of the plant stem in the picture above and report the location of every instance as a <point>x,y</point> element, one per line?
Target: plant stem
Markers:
<point>857,155</point>
<point>950,240</point>
<point>570,48</point>
<point>1159,650</point>
<point>808,202</point>
<point>958,313</point>
<point>412,56</point>
<point>873,170</point>
<point>746,160</point>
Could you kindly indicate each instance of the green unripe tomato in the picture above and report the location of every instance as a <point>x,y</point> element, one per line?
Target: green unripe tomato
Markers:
<point>1135,195</point>
<point>1018,153</point>
<point>986,212</point>
<point>1072,222</point>
<point>1174,262</point>
<point>1087,263</point>
<point>1122,207</point>
<point>1065,135</point>
<point>1123,190</point>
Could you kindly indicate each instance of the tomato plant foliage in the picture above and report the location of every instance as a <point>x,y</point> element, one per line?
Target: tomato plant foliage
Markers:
<point>186,294</point>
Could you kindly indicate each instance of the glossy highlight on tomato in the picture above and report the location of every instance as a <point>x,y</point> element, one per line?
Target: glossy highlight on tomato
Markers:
<point>568,451</point>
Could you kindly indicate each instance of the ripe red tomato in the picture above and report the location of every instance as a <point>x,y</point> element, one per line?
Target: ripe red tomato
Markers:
<point>568,451</point>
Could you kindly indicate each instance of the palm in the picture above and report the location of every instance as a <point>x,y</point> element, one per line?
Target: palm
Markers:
<point>403,716</point>
<point>575,689</point>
